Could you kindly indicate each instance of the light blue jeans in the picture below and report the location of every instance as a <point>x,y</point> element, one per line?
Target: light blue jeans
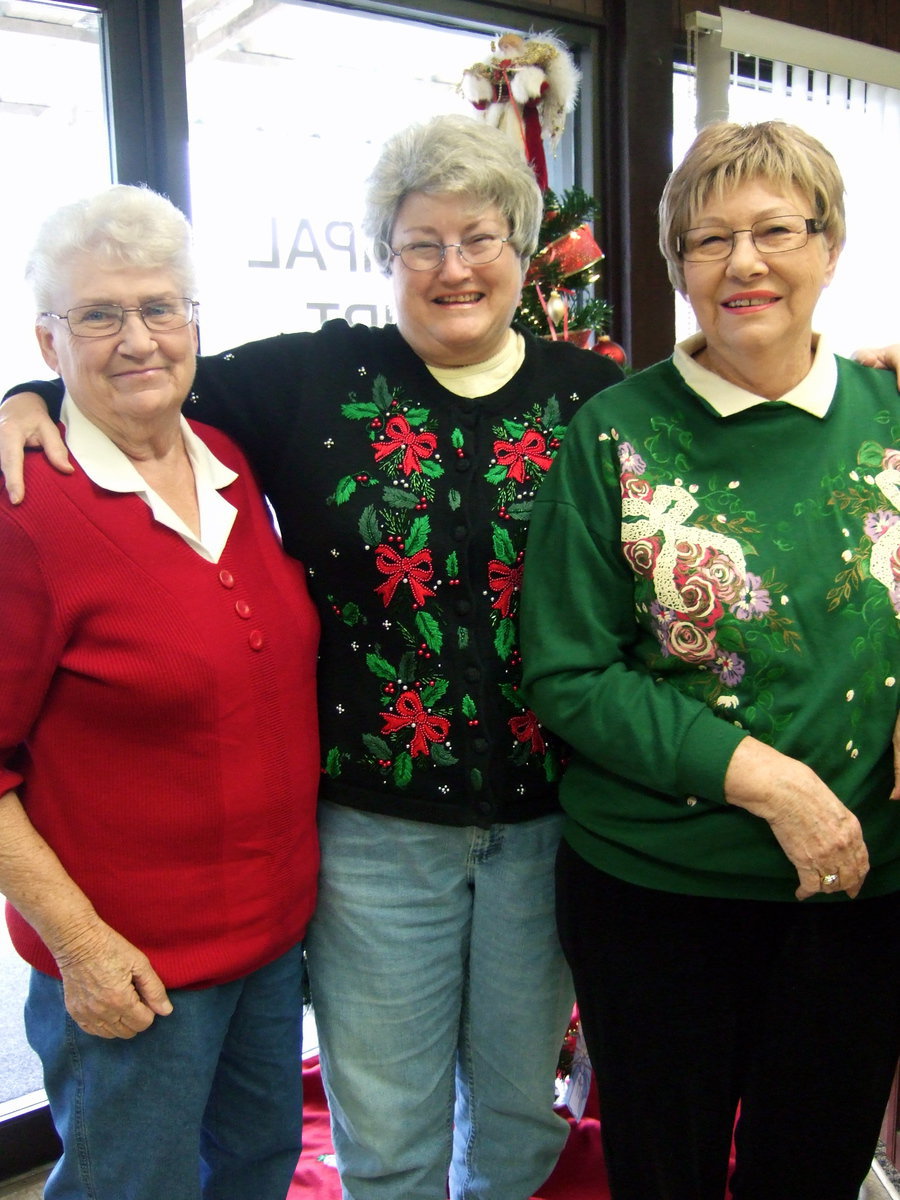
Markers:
<point>204,1103</point>
<point>441,998</point>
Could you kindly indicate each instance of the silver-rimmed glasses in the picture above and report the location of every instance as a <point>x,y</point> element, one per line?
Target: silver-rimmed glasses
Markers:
<point>773,235</point>
<point>100,320</point>
<point>477,250</point>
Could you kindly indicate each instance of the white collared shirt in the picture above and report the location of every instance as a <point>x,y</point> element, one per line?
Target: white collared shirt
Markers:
<point>485,378</point>
<point>109,468</point>
<point>813,394</point>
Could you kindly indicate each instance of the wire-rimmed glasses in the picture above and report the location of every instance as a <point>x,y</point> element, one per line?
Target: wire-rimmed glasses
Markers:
<point>477,250</point>
<point>772,235</point>
<point>101,320</point>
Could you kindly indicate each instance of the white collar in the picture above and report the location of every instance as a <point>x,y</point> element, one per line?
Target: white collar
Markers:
<point>484,378</point>
<point>813,394</point>
<point>109,468</point>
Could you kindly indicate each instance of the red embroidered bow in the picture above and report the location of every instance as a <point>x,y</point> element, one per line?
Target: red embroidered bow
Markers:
<point>427,726</point>
<point>531,447</point>
<point>398,432</point>
<point>415,571</point>
<point>525,728</point>
<point>505,580</point>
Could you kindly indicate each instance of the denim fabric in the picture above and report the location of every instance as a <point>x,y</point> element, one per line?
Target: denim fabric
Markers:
<point>205,1103</point>
<point>441,999</point>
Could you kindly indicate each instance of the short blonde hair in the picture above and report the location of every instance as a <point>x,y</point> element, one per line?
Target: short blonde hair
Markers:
<point>725,155</point>
<point>458,155</point>
<point>122,226</point>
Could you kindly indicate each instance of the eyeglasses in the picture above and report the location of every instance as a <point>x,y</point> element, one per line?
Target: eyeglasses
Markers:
<point>478,250</point>
<point>101,320</point>
<point>774,235</point>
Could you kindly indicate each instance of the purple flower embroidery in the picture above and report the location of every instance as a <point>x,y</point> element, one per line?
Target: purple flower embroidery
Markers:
<point>877,523</point>
<point>730,667</point>
<point>662,619</point>
<point>630,460</point>
<point>754,601</point>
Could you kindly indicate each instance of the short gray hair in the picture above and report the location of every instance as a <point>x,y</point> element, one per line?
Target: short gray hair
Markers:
<point>724,155</point>
<point>461,156</point>
<point>122,226</point>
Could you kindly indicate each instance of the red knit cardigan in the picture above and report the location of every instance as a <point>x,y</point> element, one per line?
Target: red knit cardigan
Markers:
<point>158,719</point>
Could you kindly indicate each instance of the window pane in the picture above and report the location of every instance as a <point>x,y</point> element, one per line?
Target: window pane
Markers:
<point>52,121</point>
<point>52,118</point>
<point>288,111</point>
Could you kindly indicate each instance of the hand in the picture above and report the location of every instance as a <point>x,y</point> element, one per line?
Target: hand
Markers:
<point>818,833</point>
<point>895,741</point>
<point>24,421</point>
<point>110,988</point>
<point>886,357</point>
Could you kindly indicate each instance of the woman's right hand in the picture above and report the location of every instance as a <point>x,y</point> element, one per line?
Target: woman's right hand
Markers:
<point>818,833</point>
<point>24,421</point>
<point>111,990</point>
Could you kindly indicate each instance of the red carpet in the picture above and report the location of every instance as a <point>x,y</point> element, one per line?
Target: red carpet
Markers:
<point>579,1175</point>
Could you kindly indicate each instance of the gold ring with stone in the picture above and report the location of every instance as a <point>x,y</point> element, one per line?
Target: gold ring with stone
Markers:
<point>830,878</point>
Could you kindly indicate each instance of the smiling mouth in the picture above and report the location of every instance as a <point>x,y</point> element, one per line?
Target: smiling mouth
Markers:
<point>464,298</point>
<point>748,302</point>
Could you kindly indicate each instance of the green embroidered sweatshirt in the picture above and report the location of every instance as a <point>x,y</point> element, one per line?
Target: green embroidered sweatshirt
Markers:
<point>692,578</point>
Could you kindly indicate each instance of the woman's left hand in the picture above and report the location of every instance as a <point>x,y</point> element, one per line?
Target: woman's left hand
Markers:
<point>895,793</point>
<point>818,833</point>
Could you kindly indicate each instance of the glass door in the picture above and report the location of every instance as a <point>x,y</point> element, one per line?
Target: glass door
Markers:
<point>288,105</point>
<point>53,138</point>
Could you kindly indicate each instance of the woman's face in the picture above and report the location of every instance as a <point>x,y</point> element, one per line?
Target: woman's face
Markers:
<point>126,379</point>
<point>457,314</point>
<point>751,303</point>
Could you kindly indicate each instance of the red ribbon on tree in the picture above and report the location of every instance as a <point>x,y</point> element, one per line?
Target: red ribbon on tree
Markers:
<point>525,728</point>
<point>506,580</point>
<point>399,433</point>
<point>415,571</point>
<point>411,712</point>
<point>530,447</point>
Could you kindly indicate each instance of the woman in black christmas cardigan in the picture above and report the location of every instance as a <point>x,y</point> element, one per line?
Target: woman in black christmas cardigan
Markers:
<point>402,463</point>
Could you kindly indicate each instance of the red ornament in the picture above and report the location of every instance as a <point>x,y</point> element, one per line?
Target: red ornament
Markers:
<point>605,345</point>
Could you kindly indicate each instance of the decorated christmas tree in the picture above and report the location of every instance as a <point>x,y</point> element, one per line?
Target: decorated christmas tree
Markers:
<point>526,87</point>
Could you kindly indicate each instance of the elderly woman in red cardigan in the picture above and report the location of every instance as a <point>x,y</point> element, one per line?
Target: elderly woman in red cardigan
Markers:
<point>159,745</point>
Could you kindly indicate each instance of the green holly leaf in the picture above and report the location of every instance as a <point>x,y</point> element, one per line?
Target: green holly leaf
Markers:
<point>452,565</point>
<point>350,613</point>
<point>416,416</point>
<point>333,762</point>
<point>377,746</point>
<point>505,638</point>
<point>468,707</point>
<point>417,538</point>
<point>514,429</point>
<point>399,497</point>
<point>370,526</point>
<point>454,499</point>
<point>509,693</point>
<point>361,410</point>
<point>432,469</point>
<point>496,474</point>
<point>552,417</point>
<point>477,780</point>
<point>520,510</point>
<point>381,394</point>
<point>429,630</point>
<point>442,756</point>
<point>403,769</point>
<point>344,490</point>
<point>431,693</point>
<point>456,439</point>
<point>381,667</point>
<point>503,547</point>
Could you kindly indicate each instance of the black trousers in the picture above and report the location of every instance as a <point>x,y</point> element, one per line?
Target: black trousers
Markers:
<point>692,1006</point>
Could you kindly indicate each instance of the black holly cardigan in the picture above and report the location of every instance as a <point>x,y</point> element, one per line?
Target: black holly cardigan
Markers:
<point>409,506</point>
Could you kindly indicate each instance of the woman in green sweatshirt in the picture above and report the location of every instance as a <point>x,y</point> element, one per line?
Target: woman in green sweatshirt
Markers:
<point>711,618</point>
